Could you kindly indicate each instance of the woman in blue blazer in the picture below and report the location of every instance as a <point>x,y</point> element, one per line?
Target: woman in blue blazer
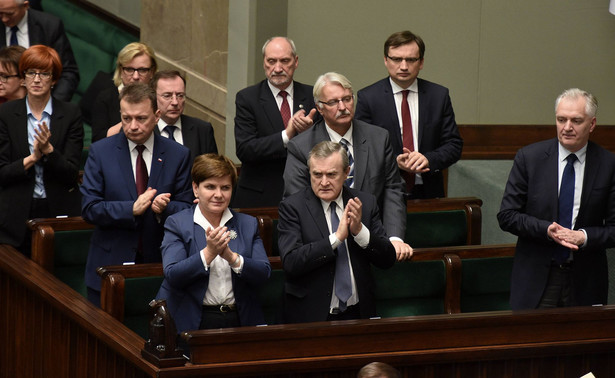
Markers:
<point>213,257</point>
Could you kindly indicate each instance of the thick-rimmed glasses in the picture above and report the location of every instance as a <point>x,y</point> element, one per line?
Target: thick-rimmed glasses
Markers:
<point>41,75</point>
<point>4,78</point>
<point>398,60</point>
<point>142,71</point>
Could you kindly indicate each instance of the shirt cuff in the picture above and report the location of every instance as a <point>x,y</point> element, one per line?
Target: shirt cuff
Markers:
<point>395,238</point>
<point>335,242</point>
<point>202,255</point>
<point>240,267</point>
<point>362,238</point>
<point>585,242</point>
<point>285,139</point>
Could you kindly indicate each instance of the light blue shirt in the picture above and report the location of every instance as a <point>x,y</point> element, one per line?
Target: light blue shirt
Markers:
<point>39,185</point>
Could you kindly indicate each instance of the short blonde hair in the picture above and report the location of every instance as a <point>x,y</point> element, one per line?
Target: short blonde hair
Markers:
<point>128,53</point>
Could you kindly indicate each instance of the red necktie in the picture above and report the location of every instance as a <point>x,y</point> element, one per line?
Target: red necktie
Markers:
<point>141,171</point>
<point>408,138</point>
<point>284,109</point>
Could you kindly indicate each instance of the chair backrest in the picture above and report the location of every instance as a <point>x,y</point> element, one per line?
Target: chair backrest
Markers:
<point>60,245</point>
<point>411,288</point>
<point>271,294</point>
<point>485,284</point>
<point>436,228</point>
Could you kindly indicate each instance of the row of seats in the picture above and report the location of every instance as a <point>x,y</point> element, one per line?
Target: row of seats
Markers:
<point>426,285</point>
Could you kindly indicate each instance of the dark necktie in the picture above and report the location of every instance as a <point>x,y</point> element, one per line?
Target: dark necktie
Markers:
<point>284,108</point>
<point>350,179</point>
<point>169,129</point>
<point>343,285</point>
<point>14,31</point>
<point>141,171</point>
<point>566,204</point>
<point>408,139</point>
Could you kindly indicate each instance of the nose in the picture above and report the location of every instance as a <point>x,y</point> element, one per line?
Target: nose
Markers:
<point>341,105</point>
<point>135,75</point>
<point>403,65</point>
<point>174,100</point>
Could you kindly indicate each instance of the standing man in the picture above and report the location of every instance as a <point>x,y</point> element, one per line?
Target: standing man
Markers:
<point>560,202</point>
<point>418,115</point>
<point>191,132</point>
<point>264,124</point>
<point>132,182</point>
<point>372,164</point>
<point>28,27</point>
<point>330,235</point>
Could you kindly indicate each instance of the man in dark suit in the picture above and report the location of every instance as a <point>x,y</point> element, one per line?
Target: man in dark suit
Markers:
<point>373,167</point>
<point>38,28</point>
<point>418,115</point>
<point>132,182</point>
<point>261,134</point>
<point>191,132</point>
<point>330,235</point>
<point>560,202</point>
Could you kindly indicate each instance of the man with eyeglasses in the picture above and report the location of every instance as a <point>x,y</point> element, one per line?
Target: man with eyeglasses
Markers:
<point>418,115</point>
<point>267,116</point>
<point>196,134</point>
<point>372,163</point>
<point>27,27</point>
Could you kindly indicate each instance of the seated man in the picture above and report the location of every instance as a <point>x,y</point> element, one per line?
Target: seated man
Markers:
<point>329,237</point>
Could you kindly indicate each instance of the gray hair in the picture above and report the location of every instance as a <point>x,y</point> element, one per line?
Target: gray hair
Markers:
<point>329,77</point>
<point>327,148</point>
<point>290,42</point>
<point>591,102</point>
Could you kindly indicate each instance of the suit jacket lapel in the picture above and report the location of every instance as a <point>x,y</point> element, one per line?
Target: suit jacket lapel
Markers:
<point>300,98</point>
<point>21,118</point>
<point>550,172</point>
<point>361,154</point>
<point>592,167</point>
<point>423,111</point>
<point>314,207</point>
<point>391,110</point>
<point>125,163</point>
<point>188,135</point>
<point>157,162</point>
<point>57,125</point>
<point>270,107</point>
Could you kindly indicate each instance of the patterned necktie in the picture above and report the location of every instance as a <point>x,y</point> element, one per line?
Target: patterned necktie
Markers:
<point>14,31</point>
<point>285,108</point>
<point>350,179</point>
<point>169,129</point>
<point>343,285</point>
<point>141,171</point>
<point>566,204</point>
<point>408,139</point>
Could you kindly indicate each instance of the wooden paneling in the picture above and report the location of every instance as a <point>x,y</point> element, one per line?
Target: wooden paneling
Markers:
<point>501,142</point>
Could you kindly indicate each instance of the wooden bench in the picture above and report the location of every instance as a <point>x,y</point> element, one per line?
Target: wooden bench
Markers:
<point>60,246</point>
<point>429,223</point>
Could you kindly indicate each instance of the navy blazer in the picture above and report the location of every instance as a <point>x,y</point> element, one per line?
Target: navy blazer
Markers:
<point>60,168</point>
<point>109,192</point>
<point>438,135</point>
<point>198,136</point>
<point>105,112</point>
<point>47,29</point>
<point>259,145</point>
<point>186,280</point>
<point>309,261</point>
<point>530,205</point>
<point>375,169</point>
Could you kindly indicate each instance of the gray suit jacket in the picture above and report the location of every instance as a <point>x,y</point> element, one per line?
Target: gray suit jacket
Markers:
<point>380,177</point>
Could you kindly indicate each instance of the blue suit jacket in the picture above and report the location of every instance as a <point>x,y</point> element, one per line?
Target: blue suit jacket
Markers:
<point>46,29</point>
<point>186,280</point>
<point>438,135</point>
<point>109,192</point>
<point>530,205</point>
<point>375,170</point>
<point>309,260</point>
<point>259,145</point>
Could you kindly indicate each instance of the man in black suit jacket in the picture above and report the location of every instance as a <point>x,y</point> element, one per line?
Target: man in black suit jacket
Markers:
<point>194,133</point>
<point>556,265</point>
<point>374,170</point>
<point>314,250</point>
<point>261,135</point>
<point>435,143</point>
<point>42,29</point>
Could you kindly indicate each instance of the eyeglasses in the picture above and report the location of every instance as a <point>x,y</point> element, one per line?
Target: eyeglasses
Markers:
<point>331,103</point>
<point>167,96</point>
<point>42,75</point>
<point>5,78</point>
<point>142,71</point>
<point>398,60</point>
